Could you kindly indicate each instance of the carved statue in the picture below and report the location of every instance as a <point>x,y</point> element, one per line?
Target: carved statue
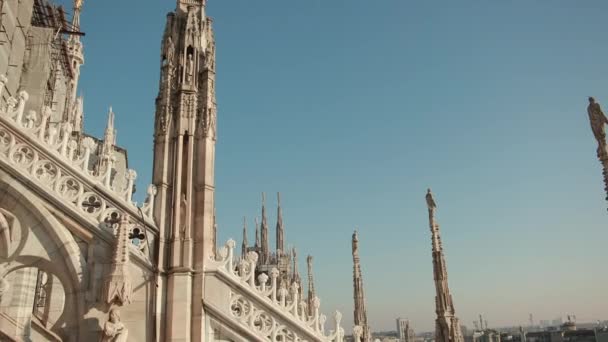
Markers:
<point>169,49</point>
<point>182,215</point>
<point>355,243</point>
<point>78,4</point>
<point>6,232</point>
<point>210,56</point>
<point>30,119</point>
<point>598,120</point>
<point>430,202</point>
<point>189,69</point>
<point>210,120</point>
<point>77,114</point>
<point>113,329</point>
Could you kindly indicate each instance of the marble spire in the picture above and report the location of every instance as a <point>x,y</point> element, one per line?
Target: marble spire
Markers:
<point>245,242</point>
<point>257,234</point>
<point>311,287</point>
<point>117,287</point>
<point>360,311</point>
<point>296,274</point>
<point>109,138</point>
<point>447,326</point>
<point>75,52</point>
<point>280,230</point>
<point>264,230</point>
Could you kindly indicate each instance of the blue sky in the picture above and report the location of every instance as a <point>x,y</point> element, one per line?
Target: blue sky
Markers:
<point>352,108</point>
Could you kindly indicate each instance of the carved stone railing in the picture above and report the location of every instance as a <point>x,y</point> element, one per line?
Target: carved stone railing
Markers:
<point>267,311</point>
<point>52,159</point>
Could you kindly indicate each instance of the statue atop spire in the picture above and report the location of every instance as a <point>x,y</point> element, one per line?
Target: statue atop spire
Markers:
<point>430,201</point>
<point>447,326</point>
<point>78,4</point>
<point>280,230</point>
<point>360,310</point>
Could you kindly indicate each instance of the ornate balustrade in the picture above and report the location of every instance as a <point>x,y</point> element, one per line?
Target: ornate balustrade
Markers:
<point>52,159</point>
<point>270,312</point>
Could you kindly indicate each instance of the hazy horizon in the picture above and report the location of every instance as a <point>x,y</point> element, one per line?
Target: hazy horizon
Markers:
<point>351,109</point>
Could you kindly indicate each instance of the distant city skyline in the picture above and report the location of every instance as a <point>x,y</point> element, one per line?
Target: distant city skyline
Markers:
<point>352,109</point>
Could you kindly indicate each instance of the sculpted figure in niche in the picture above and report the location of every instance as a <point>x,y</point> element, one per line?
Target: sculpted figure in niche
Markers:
<point>114,330</point>
<point>182,215</point>
<point>189,69</point>
<point>598,121</point>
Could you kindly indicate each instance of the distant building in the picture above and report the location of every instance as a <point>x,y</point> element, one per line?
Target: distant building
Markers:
<point>568,332</point>
<point>405,332</point>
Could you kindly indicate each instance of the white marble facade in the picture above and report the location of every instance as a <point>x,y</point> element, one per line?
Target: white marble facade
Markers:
<point>79,260</point>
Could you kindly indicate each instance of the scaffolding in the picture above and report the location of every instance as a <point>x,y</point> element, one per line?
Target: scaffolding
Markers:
<point>47,15</point>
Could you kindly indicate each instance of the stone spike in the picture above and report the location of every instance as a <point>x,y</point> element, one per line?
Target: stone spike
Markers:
<point>245,242</point>
<point>265,253</point>
<point>447,326</point>
<point>110,134</point>
<point>257,234</point>
<point>360,313</point>
<point>280,230</point>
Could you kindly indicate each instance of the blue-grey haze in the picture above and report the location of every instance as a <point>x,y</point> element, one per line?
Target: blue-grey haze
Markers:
<point>353,108</point>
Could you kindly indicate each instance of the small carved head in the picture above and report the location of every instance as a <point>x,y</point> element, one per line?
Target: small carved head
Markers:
<point>23,95</point>
<point>114,315</point>
<point>591,99</point>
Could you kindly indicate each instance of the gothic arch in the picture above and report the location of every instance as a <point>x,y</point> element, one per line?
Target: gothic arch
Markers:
<point>64,248</point>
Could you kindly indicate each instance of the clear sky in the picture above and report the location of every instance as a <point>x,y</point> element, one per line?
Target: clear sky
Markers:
<point>352,108</point>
